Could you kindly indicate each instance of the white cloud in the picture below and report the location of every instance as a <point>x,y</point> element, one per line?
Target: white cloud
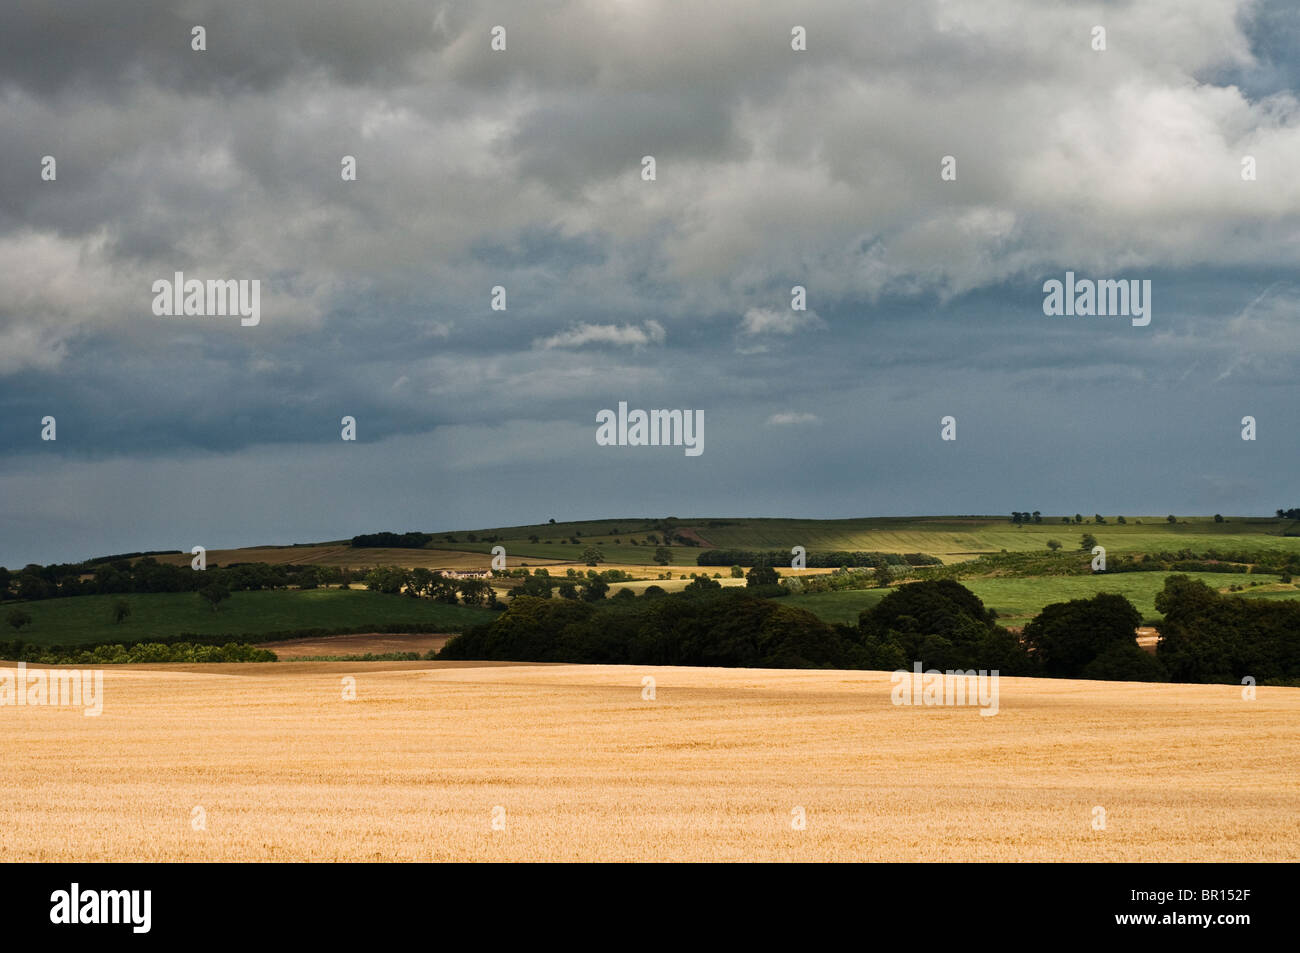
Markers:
<point>627,335</point>
<point>790,418</point>
<point>773,321</point>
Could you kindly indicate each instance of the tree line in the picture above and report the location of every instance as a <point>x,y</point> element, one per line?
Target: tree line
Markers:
<point>35,582</point>
<point>391,540</point>
<point>939,623</point>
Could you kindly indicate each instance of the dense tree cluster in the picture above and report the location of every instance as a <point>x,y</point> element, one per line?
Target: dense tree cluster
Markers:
<point>1069,638</point>
<point>937,623</point>
<point>942,625</point>
<point>148,575</point>
<point>431,584</point>
<point>392,540</point>
<point>1206,637</point>
<point>725,627</point>
<point>138,653</point>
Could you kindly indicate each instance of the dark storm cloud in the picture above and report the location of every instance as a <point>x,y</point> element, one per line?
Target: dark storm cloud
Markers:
<point>49,47</point>
<point>522,169</point>
<point>595,136</point>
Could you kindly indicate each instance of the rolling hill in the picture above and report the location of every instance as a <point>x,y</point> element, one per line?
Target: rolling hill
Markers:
<point>627,541</point>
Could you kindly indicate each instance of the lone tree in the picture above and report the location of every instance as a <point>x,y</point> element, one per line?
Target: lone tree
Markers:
<point>663,555</point>
<point>1088,541</point>
<point>214,594</point>
<point>591,555</point>
<point>761,576</point>
<point>1053,544</point>
<point>121,609</point>
<point>18,618</point>
<point>1171,518</point>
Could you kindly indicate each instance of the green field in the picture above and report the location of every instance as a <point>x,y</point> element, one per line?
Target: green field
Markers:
<point>951,538</point>
<point>79,620</point>
<point>1290,593</point>
<point>1017,600</point>
<point>842,607</point>
<point>954,538</point>
<point>88,619</point>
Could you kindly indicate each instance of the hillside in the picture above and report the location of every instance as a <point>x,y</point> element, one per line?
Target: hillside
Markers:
<point>951,538</point>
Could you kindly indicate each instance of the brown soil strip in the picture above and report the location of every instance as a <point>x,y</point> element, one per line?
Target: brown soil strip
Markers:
<point>373,642</point>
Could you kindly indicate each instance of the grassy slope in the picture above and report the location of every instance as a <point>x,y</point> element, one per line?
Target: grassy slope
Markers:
<point>87,619</point>
<point>1017,600</point>
<point>955,538</point>
<point>949,537</point>
<point>84,619</point>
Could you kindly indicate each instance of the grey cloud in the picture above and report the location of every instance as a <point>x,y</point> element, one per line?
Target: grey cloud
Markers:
<point>522,170</point>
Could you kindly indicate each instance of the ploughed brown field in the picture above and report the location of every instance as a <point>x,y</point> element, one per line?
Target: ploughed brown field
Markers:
<point>575,764</point>
<point>376,643</point>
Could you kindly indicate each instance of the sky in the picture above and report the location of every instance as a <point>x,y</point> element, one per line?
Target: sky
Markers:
<point>522,169</point>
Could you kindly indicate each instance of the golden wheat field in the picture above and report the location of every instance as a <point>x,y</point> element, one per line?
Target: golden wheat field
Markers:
<point>270,762</point>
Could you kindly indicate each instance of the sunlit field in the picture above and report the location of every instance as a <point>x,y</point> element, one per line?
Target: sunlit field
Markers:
<point>270,762</point>
<point>626,541</point>
<point>1018,599</point>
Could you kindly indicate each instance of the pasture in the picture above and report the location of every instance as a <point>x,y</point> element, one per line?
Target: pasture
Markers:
<point>1019,599</point>
<point>83,620</point>
<point>951,538</point>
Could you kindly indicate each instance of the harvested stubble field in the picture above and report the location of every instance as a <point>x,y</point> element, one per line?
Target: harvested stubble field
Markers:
<point>585,769</point>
